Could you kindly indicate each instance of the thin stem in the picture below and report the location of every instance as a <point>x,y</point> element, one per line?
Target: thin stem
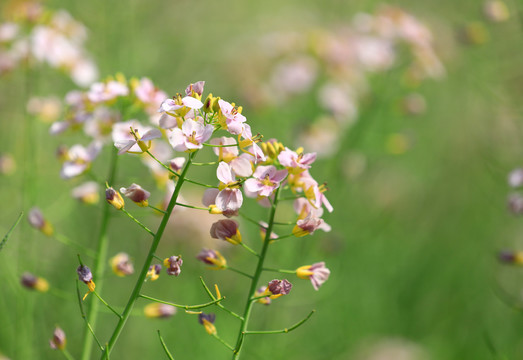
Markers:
<point>285,223</point>
<point>193,207</point>
<point>205,163</point>
<point>100,261</point>
<point>67,355</point>
<point>106,304</point>
<point>283,237</point>
<point>281,331</point>
<point>155,208</point>
<point>158,258</point>
<point>280,270</point>
<point>255,279</point>
<point>249,249</point>
<point>137,221</point>
<point>223,342</point>
<point>251,220</point>
<point>219,304</point>
<point>6,237</point>
<point>186,307</point>
<point>167,352</point>
<point>178,175</point>
<point>154,245</point>
<point>238,271</point>
<point>66,241</point>
<point>82,311</point>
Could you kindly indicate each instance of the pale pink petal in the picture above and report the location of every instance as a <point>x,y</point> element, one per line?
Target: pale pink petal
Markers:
<point>167,121</point>
<point>252,185</point>
<point>124,145</point>
<point>177,140</point>
<point>241,167</point>
<point>209,197</point>
<point>151,134</point>
<point>192,103</point>
<point>224,173</point>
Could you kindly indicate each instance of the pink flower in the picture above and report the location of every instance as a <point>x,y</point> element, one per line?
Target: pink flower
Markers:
<point>230,197</point>
<point>294,162</point>
<point>191,136</point>
<point>173,265</point>
<point>279,287</point>
<point>308,225</point>
<point>79,159</point>
<point>125,141</point>
<point>317,273</point>
<point>149,94</point>
<point>171,105</point>
<point>195,89</point>
<point>266,180</point>
<point>233,118</point>
<point>103,92</point>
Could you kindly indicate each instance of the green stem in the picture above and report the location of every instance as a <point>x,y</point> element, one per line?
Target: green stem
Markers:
<point>249,249</point>
<point>66,241</point>
<point>205,163</point>
<point>193,207</point>
<point>255,279</point>
<point>178,175</point>
<point>106,304</point>
<point>6,237</point>
<point>150,256</point>
<point>167,352</point>
<point>137,221</point>
<point>155,208</point>
<point>282,331</point>
<point>67,355</point>
<point>218,304</point>
<point>223,342</point>
<point>100,262</point>
<point>251,220</point>
<point>186,307</point>
<point>283,237</point>
<point>238,271</point>
<point>280,270</point>
<point>82,311</point>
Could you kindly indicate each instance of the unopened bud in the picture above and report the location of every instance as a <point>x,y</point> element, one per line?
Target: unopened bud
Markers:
<point>58,341</point>
<point>114,198</point>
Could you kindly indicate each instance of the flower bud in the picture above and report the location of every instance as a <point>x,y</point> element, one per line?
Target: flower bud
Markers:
<point>58,341</point>
<point>511,257</point>
<point>158,310</point>
<point>137,194</point>
<point>262,291</point>
<point>207,320</point>
<point>88,193</point>
<point>154,271</point>
<point>85,275</point>
<point>174,265</point>
<point>30,281</point>
<point>121,264</point>
<point>114,198</point>
<point>279,287</point>
<point>226,230</point>
<point>36,219</point>
<point>209,104</point>
<point>212,257</point>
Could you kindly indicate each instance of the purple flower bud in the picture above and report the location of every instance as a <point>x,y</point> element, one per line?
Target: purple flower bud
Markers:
<point>212,257</point>
<point>279,287</point>
<point>137,194</point>
<point>226,230</point>
<point>154,271</point>
<point>32,282</point>
<point>58,341</point>
<point>515,204</point>
<point>174,265</point>
<point>84,274</point>
<point>209,317</point>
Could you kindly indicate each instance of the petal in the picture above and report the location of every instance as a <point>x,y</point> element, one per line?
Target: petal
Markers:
<point>177,140</point>
<point>209,197</point>
<point>224,173</point>
<point>279,176</point>
<point>124,145</point>
<point>192,103</point>
<point>241,167</point>
<point>167,121</point>
<point>252,185</point>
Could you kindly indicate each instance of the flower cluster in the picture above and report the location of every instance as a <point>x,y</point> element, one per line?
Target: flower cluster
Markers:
<point>335,63</point>
<point>32,34</point>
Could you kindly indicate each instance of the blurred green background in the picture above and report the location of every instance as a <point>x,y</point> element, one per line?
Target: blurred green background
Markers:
<point>415,235</point>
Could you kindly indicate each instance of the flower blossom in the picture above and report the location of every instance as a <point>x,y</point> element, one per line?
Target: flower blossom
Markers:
<point>317,273</point>
<point>227,230</point>
<point>137,194</point>
<point>212,257</point>
<point>265,180</point>
<point>154,272</point>
<point>233,118</point>
<point>121,264</point>
<point>78,159</point>
<point>307,225</point>
<point>173,265</point>
<point>104,92</point>
<point>191,136</point>
<point>229,197</point>
<point>296,162</point>
<point>158,310</point>
<point>240,164</point>
<point>127,137</point>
